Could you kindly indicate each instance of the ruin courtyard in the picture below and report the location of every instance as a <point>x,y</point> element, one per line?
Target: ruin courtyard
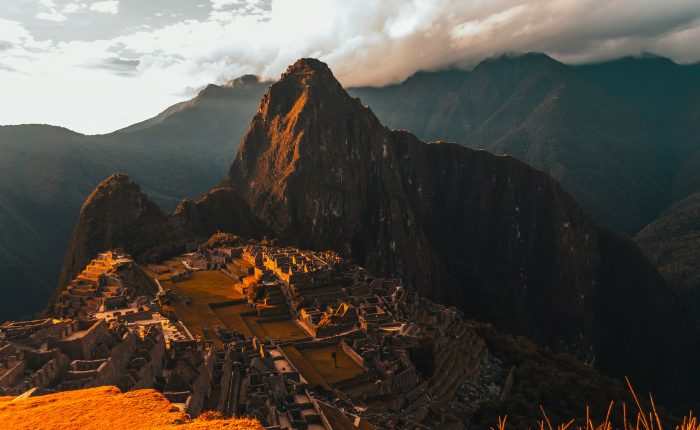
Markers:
<point>296,339</point>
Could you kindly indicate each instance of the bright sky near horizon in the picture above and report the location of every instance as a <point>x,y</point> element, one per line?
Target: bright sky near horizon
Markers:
<point>98,65</point>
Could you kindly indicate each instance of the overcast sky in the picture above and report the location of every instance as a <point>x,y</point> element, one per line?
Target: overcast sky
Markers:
<point>98,65</point>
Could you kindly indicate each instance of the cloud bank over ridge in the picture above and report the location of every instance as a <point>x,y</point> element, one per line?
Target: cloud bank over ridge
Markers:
<point>95,66</point>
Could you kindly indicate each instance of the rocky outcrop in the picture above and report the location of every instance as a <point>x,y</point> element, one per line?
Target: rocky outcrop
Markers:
<point>118,215</point>
<point>581,124</point>
<point>489,234</point>
<point>221,209</point>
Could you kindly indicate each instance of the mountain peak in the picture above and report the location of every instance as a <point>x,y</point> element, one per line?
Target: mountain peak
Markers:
<point>245,81</point>
<point>306,83</point>
<point>116,179</point>
<point>116,214</point>
<point>525,62</point>
<point>309,65</point>
<point>306,114</point>
<point>117,182</point>
<point>309,72</point>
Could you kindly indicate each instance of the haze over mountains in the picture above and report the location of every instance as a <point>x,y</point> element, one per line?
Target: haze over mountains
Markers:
<point>621,137</point>
<point>46,172</point>
<point>491,235</point>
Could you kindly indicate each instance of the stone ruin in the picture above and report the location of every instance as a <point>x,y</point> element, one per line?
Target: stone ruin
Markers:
<point>418,361</point>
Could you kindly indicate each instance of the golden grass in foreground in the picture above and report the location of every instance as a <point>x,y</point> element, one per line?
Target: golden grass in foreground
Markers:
<point>642,420</point>
<point>106,408</point>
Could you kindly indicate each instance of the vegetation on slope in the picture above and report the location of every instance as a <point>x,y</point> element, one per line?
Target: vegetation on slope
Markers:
<point>672,243</point>
<point>46,172</point>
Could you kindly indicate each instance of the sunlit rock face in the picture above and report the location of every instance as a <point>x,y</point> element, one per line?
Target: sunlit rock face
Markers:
<point>115,215</point>
<point>488,234</point>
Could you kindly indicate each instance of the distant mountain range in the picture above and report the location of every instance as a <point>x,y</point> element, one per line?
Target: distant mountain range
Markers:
<point>46,172</point>
<point>622,137</point>
<point>488,234</point>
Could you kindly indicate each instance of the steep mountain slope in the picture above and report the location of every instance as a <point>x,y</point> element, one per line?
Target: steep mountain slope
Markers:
<point>617,135</point>
<point>323,172</point>
<point>117,214</point>
<point>654,87</point>
<point>687,179</point>
<point>672,243</point>
<point>557,118</point>
<point>622,136</point>
<point>489,234</point>
<point>46,172</point>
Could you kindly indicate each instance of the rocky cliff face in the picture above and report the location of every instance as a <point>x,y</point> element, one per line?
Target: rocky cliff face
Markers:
<point>495,237</point>
<point>221,209</point>
<point>486,233</point>
<point>459,225</point>
<point>557,118</point>
<point>118,215</point>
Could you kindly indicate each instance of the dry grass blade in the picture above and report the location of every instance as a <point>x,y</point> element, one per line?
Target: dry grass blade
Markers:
<point>546,418</point>
<point>501,425</point>
<point>640,415</point>
<point>607,415</point>
<point>646,420</point>
<point>656,415</point>
<point>566,426</point>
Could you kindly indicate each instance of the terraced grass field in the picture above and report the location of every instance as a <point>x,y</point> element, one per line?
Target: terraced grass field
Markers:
<point>211,287</point>
<point>204,287</point>
<point>232,319</point>
<point>285,329</point>
<point>317,367</point>
<point>322,360</point>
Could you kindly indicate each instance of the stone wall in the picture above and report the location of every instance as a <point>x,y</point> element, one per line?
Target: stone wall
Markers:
<point>81,347</point>
<point>201,387</point>
<point>13,374</point>
<point>353,354</point>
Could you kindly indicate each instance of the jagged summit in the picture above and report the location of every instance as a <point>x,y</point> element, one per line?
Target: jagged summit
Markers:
<point>309,66</point>
<point>308,81</point>
<point>116,183</point>
<point>490,235</point>
<point>117,214</point>
<point>305,115</point>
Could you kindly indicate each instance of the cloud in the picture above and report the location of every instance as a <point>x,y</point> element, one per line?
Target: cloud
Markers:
<point>108,6</point>
<point>148,53</point>
<point>119,66</point>
<point>51,16</point>
<point>378,42</point>
<point>74,7</point>
<point>13,33</point>
<point>50,13</point>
